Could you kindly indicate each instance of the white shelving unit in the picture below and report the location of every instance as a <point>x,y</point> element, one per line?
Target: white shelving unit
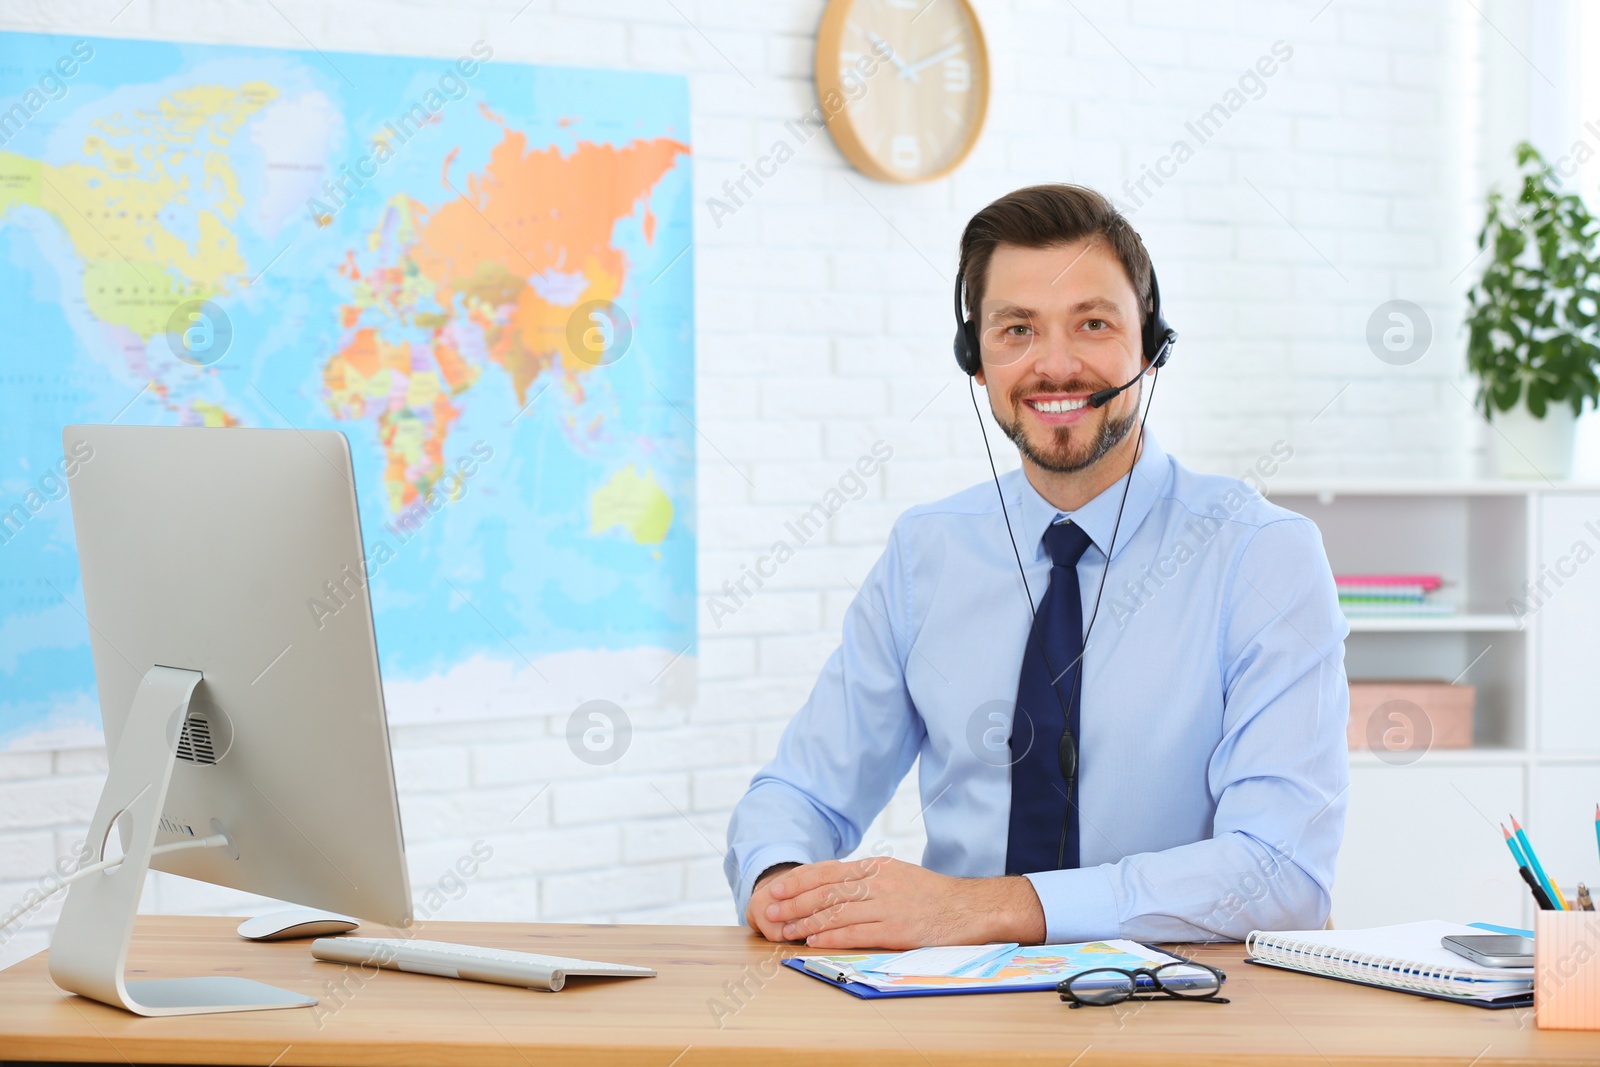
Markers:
<point>1421,839</point>
<point>1422,624</point>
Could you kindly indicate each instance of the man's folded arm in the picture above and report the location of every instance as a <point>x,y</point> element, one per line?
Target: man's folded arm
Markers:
<point>842,756</point>
<point>1280,774</point>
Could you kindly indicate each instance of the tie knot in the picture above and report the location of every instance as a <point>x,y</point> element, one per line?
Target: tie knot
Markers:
<point>1066,542</point>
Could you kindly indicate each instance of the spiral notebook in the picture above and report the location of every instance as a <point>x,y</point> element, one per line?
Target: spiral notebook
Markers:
<point>1408,958</point>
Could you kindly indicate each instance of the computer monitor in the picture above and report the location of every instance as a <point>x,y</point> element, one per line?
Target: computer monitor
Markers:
<point>234,702</point>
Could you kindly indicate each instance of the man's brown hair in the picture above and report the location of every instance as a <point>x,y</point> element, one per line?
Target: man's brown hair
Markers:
<point>1044,215</point>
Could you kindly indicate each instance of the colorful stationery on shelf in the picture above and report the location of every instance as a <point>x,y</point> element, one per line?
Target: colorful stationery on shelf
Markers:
<point>1392,594</point>
<point>995,968</point>
<point>1408,958</point>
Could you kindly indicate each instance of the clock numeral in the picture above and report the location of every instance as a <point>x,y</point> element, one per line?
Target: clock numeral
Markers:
<point>957,75</point>
<point>905,152</point>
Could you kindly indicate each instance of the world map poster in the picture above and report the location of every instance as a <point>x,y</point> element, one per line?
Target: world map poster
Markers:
<point>481,272</point>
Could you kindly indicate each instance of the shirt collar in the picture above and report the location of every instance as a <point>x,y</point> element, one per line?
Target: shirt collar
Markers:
<point>1151,475</point>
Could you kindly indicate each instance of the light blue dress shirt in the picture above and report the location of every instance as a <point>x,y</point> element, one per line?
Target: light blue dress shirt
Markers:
<point>1213,771</point>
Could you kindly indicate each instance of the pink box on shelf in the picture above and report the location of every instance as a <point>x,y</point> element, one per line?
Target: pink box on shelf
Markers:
<point>1406,716</point>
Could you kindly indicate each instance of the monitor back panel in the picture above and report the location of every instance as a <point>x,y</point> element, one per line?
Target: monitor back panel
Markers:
<point>238,553</point>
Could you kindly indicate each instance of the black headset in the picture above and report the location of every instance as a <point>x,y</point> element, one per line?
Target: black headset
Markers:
<point>1156,335</point>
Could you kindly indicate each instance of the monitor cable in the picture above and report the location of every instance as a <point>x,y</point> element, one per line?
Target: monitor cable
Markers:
<point>36,897</point>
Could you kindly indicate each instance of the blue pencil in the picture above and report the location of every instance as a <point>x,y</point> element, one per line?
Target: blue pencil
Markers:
<point>1511,843</point>
<point>1535,866</point>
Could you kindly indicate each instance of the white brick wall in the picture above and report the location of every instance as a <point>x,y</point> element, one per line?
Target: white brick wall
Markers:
<point>824,323</point>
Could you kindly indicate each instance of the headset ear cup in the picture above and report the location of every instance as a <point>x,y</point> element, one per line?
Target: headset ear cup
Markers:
<point>1157,336</point>
<point>1163,345</point>
<point>968,356</point>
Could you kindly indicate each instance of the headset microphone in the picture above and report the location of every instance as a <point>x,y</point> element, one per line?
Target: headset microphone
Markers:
<point>1106,396</point>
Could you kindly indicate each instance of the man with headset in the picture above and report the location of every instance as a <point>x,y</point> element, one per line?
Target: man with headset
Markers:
<point>1176,771</point>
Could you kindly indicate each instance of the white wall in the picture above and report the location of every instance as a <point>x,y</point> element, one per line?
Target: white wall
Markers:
<point>824,323</point>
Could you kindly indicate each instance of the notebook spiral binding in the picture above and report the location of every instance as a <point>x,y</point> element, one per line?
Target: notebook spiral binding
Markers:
<point>1363,967</point>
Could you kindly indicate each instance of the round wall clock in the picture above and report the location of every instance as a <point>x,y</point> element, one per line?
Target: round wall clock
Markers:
<point>904,84</point>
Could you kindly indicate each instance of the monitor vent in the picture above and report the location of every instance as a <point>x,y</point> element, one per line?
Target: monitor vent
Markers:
<point>195,744</point>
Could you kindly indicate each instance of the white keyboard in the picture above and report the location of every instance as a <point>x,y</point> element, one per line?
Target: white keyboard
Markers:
<point>505,966</point>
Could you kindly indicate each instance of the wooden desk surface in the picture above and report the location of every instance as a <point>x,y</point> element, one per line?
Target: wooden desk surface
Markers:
<point>696,1013</point>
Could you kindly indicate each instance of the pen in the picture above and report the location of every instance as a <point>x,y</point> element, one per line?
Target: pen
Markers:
<point>1539,896</point>
<point>1535,866</point>
<point>1584,903</point>
<point>826,970</point>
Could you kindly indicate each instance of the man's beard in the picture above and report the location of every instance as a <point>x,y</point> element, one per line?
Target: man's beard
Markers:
<point>1058,456</point>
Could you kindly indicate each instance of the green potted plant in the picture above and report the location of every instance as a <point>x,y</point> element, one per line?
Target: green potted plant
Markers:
<point>1532,321</point>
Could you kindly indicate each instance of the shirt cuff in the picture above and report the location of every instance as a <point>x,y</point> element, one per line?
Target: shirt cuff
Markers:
<point>1079,905</point>
<point>770,856</point>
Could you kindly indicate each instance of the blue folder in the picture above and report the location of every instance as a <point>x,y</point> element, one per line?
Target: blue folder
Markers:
<point>866,992</point>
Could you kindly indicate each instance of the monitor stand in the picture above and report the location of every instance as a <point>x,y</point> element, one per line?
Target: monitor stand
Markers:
<point>89,951</point>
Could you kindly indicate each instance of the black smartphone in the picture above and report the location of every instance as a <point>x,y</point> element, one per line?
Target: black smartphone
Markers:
<point>1492,950</point>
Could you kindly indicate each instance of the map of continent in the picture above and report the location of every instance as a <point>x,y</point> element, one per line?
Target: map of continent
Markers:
<point>481,272</point>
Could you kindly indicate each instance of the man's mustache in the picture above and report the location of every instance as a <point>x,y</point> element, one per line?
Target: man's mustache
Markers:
<point>1079,386</point>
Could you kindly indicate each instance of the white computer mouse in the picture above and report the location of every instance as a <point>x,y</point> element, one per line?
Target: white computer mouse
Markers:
<point>297,922</point>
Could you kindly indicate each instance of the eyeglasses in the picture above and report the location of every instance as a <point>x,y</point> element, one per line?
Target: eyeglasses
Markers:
<point>1113,985</point>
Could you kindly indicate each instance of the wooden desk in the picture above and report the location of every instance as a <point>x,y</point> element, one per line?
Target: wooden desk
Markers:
<point>696,1013</point>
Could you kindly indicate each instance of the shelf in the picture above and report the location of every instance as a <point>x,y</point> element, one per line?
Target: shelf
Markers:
<point>1535,731</point>
<point>1434,624</point>
<point>1497,757</point>
<point>1421,488</point>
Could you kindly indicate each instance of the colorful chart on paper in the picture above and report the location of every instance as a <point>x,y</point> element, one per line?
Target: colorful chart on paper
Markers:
<point>1027,966</point>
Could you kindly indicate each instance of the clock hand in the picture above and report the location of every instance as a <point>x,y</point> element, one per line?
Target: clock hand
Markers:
<point>945,53</point>
<point>894,57</point>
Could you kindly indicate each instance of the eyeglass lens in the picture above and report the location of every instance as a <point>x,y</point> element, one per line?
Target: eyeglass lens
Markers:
<point>1108,985</point>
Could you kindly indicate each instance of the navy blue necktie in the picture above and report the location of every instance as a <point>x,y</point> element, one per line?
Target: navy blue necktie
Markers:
<point>1050,679</point>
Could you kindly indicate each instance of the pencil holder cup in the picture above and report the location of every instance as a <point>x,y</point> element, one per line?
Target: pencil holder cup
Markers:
<point>1566,970</point>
